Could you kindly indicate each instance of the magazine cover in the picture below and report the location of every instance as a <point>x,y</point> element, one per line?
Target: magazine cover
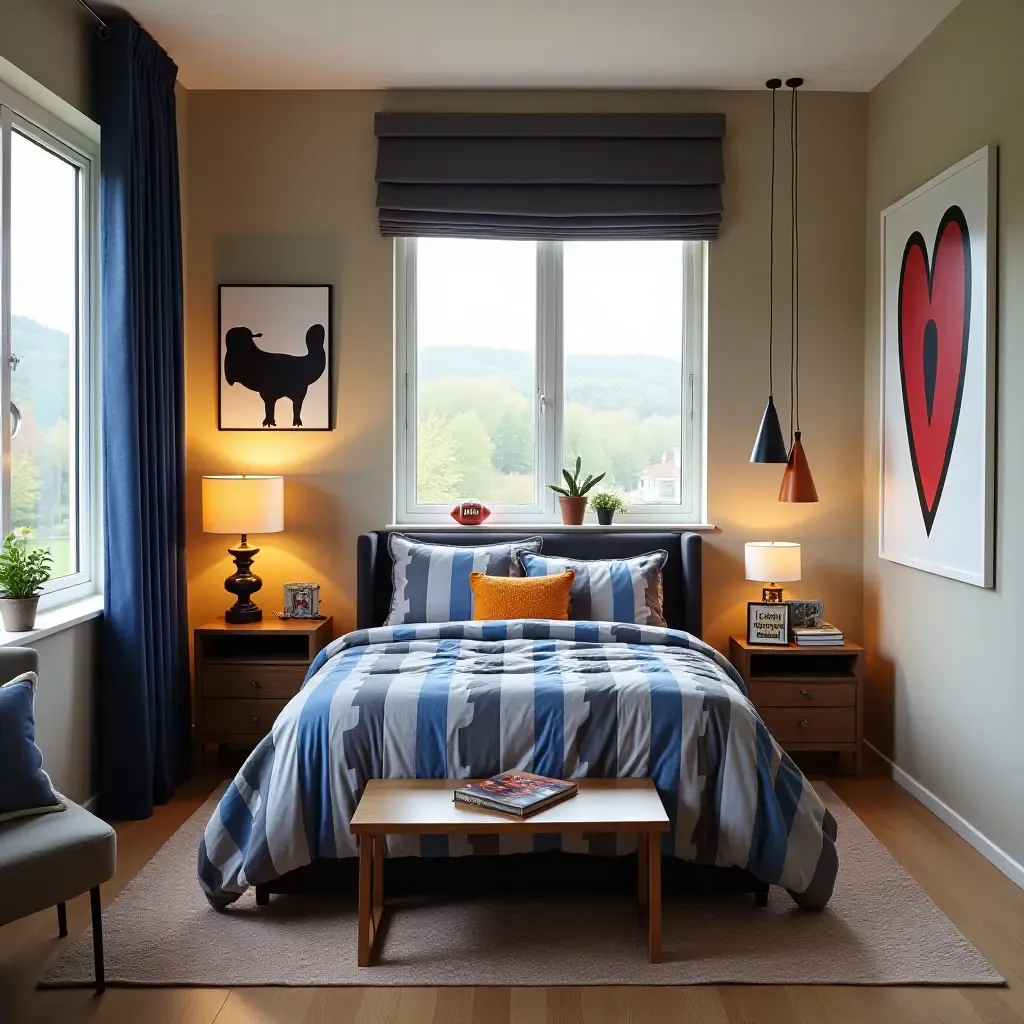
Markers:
<point>515,791</point>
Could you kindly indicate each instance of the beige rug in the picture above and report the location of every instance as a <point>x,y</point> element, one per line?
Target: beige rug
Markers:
<point>880,929</point>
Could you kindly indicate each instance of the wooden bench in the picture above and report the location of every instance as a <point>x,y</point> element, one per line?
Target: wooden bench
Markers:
<point>426,807</point>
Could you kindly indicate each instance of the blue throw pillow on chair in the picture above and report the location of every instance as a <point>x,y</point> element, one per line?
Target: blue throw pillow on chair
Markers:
<point>24,787</point>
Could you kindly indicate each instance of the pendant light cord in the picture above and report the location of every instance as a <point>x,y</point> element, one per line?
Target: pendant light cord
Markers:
<point>771,264</point>
<point>794,296</point>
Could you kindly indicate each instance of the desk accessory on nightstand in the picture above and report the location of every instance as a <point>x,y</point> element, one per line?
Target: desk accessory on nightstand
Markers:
<point>243,505</point>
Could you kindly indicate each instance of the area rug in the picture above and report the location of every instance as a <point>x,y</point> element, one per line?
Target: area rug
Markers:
<point>880,928</point>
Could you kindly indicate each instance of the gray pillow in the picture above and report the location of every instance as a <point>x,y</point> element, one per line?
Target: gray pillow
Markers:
<point>431,581</point>
<point>609,590</point>
<point>24,787</point>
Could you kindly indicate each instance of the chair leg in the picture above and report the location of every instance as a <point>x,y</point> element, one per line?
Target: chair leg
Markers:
<point>62,920</point>
<point>97,939</point>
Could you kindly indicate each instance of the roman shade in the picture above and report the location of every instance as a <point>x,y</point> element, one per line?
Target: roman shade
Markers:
<point>550,176</point>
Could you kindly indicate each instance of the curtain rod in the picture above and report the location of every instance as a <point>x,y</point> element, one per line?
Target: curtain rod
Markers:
<point>101,26</point>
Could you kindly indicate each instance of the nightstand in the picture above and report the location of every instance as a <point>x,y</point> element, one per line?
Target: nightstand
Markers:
<point>246,673</point>
<point>810,698</point>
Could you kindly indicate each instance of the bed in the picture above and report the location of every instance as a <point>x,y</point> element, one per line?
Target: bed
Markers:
<point>574,699</point>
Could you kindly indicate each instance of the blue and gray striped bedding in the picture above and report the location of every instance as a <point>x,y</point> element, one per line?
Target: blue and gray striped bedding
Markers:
<point>569,699</point>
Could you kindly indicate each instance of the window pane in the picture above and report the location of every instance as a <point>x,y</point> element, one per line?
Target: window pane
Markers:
<point>44,341</point>
<point>476,341</point>
<point>623,329</point>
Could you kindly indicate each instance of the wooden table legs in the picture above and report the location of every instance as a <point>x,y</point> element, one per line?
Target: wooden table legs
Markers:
<point>371,896</point>
<point>648,871</point>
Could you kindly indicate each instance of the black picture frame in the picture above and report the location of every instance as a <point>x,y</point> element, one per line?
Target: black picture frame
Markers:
<point>328,371</point>
<point>780,636</point>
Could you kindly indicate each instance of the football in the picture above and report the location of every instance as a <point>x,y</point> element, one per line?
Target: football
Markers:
<point>470,513</point>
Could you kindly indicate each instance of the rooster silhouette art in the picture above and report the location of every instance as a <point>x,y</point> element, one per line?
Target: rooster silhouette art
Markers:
<point>274,375</point>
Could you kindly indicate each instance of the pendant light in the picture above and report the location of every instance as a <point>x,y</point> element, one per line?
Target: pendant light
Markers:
<point>797,482</point>
<point>770,445</point>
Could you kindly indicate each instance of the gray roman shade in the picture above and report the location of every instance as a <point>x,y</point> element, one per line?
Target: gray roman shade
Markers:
<point>550,176</point>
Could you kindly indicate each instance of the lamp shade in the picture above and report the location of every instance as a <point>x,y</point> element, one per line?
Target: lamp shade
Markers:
<point>769,561</point>
<point>243,504</point>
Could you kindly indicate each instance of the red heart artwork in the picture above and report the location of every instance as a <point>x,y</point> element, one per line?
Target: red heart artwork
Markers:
<point>934,315</point>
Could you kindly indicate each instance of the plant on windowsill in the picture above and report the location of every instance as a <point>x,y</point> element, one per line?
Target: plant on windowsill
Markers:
<point>606,505</point>
<point>22,575</point>
<point>573,497</point>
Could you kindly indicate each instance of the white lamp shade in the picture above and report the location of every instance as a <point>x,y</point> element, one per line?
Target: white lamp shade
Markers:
<point>769,561</point>
<point>243,504</point>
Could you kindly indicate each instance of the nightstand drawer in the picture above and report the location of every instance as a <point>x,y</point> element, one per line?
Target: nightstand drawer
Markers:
<point>241,717</point>
<point>811,725</point>
<point>791,695</point>
<point>252,679</point>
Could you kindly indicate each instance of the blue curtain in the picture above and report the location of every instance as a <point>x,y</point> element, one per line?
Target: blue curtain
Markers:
<point>144,682</point>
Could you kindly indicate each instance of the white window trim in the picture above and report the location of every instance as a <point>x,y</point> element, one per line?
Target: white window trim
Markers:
<point>78,143</point>
<point>691,510</point>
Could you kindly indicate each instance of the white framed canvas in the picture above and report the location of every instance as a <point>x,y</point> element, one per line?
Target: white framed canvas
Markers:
<point>275,357</point>
<point>938,374</point>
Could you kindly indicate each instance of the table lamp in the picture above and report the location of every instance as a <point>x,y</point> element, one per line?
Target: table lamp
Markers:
<point>772,562</point>
<point>243,505</point>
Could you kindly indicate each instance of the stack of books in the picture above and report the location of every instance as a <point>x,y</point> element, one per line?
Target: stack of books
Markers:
<point>518,793</point>
<point>825,635</point>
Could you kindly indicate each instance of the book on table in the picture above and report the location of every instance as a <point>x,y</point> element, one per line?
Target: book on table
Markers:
<point>519,793</point>
<point>825,635</point>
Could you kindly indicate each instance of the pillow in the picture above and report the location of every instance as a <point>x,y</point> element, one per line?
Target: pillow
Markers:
<point>544,598</point>
<point>609,590</point>
<point>24,787</point>
<point>431,581</point>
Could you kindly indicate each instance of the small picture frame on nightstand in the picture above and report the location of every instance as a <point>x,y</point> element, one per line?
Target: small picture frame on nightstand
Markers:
<point>767,623</point>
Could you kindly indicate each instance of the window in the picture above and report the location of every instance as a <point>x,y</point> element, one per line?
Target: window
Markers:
<point>515,357</point>
<point>47,213</point>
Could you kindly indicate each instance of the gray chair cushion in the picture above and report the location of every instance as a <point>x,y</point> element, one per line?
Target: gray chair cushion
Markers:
<point>50,858</point>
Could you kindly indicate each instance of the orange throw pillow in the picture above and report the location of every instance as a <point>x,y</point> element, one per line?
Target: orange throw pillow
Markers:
<point>532,597</point>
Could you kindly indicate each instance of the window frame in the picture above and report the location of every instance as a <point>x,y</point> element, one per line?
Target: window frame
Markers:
<point>549,399</point>
<point>18,113</point>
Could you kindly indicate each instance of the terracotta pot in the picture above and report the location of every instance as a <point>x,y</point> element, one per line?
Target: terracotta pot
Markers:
<point>18,613</point>
<point>573,510</point>
<point>605,516</point>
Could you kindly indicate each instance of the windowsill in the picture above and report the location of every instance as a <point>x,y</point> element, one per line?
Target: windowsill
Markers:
<point>623,527</point>
<point>53,620</point>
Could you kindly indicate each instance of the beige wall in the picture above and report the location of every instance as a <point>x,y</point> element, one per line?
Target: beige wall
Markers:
<point>281,189</point>
<point>947,693</point>
<point>50,40</point>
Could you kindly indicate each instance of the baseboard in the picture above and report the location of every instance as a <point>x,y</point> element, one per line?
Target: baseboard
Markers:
<point>960,825</point>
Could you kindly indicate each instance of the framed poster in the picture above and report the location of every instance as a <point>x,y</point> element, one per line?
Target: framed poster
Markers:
<point>767,622</point>
<point>275,357</point>
<point>937,460</point>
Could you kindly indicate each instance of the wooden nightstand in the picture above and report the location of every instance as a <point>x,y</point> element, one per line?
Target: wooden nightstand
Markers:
<point>810,698</point>
<point>245,674</point>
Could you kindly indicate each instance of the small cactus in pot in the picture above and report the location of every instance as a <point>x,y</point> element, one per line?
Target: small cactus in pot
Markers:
<point>573,496</point>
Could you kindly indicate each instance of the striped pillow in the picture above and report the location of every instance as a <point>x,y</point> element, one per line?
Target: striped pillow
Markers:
<point>609,590</point>
<point>431,581</point>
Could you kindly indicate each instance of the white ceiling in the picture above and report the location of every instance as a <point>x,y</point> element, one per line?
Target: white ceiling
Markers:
<point>367,44</point>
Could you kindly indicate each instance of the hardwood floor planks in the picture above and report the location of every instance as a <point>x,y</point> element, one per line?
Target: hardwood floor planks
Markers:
<point>985,905</point>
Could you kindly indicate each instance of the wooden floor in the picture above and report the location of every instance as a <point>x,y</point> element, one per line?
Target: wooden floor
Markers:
<point>987,907</point>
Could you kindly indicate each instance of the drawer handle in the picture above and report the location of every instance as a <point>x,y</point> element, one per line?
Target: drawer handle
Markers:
<point>807,695</point>
<point>254,684</point>
<point>803,723</point>
<point>256,719</point>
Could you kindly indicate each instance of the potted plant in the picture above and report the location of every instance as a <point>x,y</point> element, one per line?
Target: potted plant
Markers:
<point>22,574</point>
<point>573,497</point>
<point>607,504</point>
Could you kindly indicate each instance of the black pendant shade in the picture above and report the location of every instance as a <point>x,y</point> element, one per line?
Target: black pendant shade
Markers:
<point>769,445</point>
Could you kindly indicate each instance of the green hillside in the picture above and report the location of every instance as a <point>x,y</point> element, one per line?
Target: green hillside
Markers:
<point>43,376</point>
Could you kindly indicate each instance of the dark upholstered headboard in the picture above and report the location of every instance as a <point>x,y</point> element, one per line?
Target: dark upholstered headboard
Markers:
<point>682,575</point>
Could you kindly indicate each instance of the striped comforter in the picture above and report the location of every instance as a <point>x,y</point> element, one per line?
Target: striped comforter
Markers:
<point>569,699</point>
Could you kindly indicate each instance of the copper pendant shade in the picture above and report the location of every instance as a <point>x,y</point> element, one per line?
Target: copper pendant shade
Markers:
<point>770,445</point>
<point>797,482</point>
